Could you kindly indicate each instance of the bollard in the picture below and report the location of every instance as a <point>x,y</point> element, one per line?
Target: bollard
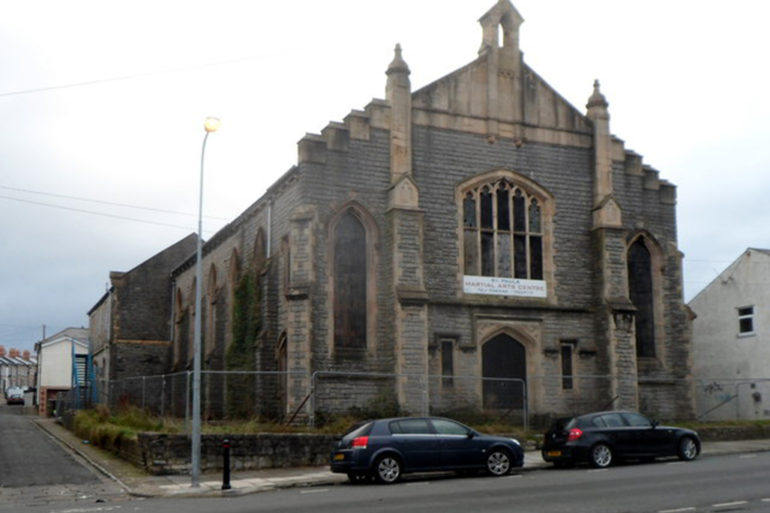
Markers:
<point>226,464</point>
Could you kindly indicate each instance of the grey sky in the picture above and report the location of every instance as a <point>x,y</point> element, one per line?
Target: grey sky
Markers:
<point>105,100</point>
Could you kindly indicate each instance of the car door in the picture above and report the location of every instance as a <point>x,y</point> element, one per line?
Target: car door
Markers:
<point>618,433</point>
<point>458,445</point>
<point>648,439</point>
<point>651,440</point>
<point>415,440</point>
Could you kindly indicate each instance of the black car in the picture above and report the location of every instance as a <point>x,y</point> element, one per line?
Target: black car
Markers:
<point>605,437</point>
<point>387,448</point>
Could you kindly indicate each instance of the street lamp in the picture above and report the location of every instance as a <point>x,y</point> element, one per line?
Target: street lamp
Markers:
<point>210,125</point>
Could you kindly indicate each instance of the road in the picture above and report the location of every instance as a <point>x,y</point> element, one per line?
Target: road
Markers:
<point>48,479</point>
<point>36,470</point>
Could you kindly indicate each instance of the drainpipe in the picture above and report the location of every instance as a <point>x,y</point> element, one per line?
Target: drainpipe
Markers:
<point>269,227</point>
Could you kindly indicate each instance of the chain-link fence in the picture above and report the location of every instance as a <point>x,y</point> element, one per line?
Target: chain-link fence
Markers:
<point>294,397</point>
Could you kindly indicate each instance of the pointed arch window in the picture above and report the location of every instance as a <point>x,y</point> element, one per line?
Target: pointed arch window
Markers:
<point>350,284</point>
<point>502,231</point>
<point>640,285</point>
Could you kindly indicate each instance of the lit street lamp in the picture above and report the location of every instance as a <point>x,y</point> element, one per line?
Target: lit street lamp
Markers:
<point>210,125</point>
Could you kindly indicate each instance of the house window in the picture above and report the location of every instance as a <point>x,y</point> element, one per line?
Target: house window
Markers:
<point>349,284</point>
<point>447,362</point>
<point>641,294</point>
<point>746,320</point>
<point>502,231</point>
<point>566,366</point>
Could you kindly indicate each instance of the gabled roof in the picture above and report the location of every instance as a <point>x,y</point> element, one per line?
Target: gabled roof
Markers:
<point>78,336</point>
<point>727,274</point>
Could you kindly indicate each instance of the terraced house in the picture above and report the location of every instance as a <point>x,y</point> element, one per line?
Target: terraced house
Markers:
<point>476,243</point>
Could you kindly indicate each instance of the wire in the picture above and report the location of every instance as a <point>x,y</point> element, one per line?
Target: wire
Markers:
<point>102,202</point>
<point>125,218</point>
<point>139,75</point>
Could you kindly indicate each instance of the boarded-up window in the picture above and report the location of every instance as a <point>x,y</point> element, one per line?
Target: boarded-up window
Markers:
<point>502,232</point>
<point>641,292</point>
<point>349,285</point>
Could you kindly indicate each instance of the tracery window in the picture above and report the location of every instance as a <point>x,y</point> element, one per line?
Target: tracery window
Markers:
<point>502,231</point>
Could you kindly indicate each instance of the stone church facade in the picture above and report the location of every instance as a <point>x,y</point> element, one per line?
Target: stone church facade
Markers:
<point>480,227</point>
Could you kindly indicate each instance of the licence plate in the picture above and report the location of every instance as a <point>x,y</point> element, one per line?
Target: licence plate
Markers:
<point>553,454</point>
<point>339,456</point>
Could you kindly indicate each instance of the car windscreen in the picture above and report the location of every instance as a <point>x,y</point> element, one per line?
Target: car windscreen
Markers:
<point>360,429</point>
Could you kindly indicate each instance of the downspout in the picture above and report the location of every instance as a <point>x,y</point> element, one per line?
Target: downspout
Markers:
<point>269,227</point>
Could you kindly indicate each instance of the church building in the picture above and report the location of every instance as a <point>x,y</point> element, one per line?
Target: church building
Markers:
<point>476,243</point>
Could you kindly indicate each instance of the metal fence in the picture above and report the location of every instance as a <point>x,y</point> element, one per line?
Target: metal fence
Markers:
<point>286,397</point>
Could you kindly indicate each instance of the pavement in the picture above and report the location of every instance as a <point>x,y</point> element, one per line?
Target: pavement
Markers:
<point>138,483</point>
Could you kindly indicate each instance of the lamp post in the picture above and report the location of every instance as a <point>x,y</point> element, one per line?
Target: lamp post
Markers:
<point>210,125</point>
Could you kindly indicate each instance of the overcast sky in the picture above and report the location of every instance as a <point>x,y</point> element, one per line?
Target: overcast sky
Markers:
<point>103,104</point>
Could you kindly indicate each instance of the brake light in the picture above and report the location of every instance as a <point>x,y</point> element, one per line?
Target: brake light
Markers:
<point>574,434</point>
<point>360,442</point>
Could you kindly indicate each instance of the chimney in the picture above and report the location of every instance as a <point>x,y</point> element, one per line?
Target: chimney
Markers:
<point>2,351</point>
<point>13,353</point>
<point>25,355</point>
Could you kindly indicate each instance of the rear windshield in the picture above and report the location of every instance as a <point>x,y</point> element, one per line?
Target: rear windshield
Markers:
<point>563,424</point>
<point>360,429</point>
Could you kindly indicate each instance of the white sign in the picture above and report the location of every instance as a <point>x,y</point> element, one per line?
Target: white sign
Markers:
<point>504,286</point>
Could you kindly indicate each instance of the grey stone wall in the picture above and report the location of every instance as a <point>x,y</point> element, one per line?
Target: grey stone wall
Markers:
<point>170,454</point>
<point>144,295</point>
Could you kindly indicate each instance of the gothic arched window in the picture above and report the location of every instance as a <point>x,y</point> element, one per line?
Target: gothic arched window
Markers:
<point>350,284</point>
<point>640,285</point>
<point>502,231</point>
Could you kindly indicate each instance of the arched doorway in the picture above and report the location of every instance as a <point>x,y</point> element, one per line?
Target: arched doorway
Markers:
<point>504,357</point>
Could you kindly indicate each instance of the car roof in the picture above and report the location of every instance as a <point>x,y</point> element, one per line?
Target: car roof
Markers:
<point>592,414</point>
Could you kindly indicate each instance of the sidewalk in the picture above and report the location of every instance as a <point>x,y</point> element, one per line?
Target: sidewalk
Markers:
<point>138,483</point>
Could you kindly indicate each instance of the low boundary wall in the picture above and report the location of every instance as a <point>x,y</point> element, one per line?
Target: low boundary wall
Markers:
<point>170,454</point>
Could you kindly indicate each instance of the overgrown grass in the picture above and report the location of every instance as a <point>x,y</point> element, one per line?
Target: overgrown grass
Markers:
<point>104,428</point>
<point>107,429</point>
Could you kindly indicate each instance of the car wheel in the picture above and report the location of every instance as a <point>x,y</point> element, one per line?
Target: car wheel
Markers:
<point>601,456</point>
<point>358,477</point>
<point>498,462</point>
<point>387,469</point>
<point>688,449</point>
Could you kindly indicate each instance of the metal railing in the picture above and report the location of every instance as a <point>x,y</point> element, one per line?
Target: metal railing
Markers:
<point>296,397</point>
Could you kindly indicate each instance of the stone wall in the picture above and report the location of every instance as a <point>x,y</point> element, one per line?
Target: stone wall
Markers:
<point>170,454</point>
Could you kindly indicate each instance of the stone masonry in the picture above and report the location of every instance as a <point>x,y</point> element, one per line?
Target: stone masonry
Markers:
<point>447,283</point>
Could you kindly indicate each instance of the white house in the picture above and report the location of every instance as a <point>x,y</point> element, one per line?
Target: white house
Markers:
<point>17,369</point>
<point>731,340</point>
<point>55,364</point>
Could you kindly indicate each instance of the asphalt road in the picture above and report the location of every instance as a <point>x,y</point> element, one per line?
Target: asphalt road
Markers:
<point>36,470</point>
<point>709,484</point>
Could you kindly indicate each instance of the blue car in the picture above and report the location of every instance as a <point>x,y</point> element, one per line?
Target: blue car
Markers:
<point>385,449</point>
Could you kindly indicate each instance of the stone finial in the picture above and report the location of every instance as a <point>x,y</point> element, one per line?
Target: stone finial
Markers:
<point>502,14</point>
<point>398,65</point>
<point>597,99</point>
<point>398,92</point>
